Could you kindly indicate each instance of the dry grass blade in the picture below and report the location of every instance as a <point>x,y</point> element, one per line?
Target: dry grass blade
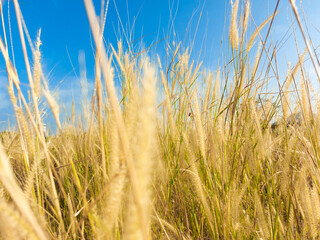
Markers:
<point>296,14</point>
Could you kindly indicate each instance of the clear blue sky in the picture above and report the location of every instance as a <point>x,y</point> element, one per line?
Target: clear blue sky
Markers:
<point>65,30</point>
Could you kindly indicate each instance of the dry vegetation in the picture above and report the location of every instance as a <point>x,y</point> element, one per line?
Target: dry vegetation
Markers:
<point>203,164</point>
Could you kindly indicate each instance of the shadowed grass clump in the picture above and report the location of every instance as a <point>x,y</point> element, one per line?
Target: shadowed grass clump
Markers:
<point>176,152</point>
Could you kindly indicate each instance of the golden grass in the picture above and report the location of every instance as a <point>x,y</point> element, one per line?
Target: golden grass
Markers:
<point>200,163</point>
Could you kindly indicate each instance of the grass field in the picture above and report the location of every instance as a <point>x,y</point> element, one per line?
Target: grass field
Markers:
<point>196,158</point>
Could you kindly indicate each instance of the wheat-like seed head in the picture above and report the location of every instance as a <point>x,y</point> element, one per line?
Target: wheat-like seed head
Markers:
<point>261,217</point>
<point>257,31</point>
<point>37,66</point>
<point>144,139</point>
<point>246,16</point>
<point>234,32</point>
<point>8,180</point>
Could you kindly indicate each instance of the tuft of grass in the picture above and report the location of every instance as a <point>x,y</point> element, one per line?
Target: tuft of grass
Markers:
<point>176,152</point>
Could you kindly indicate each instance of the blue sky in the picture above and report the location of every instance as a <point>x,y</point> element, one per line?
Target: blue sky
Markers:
<point>65,33</point>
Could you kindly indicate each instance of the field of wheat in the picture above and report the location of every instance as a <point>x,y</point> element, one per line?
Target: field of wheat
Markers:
<point>175,152</point>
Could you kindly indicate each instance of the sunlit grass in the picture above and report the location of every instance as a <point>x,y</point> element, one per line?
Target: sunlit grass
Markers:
<point>206,161</point>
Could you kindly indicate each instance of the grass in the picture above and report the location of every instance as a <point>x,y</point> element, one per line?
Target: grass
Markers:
<point>203,163</point>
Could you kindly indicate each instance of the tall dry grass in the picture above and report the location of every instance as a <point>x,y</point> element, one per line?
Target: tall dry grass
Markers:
<point>200,163</point>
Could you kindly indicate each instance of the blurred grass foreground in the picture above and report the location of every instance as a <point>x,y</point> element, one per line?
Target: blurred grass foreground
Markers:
<point>174,152</point>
